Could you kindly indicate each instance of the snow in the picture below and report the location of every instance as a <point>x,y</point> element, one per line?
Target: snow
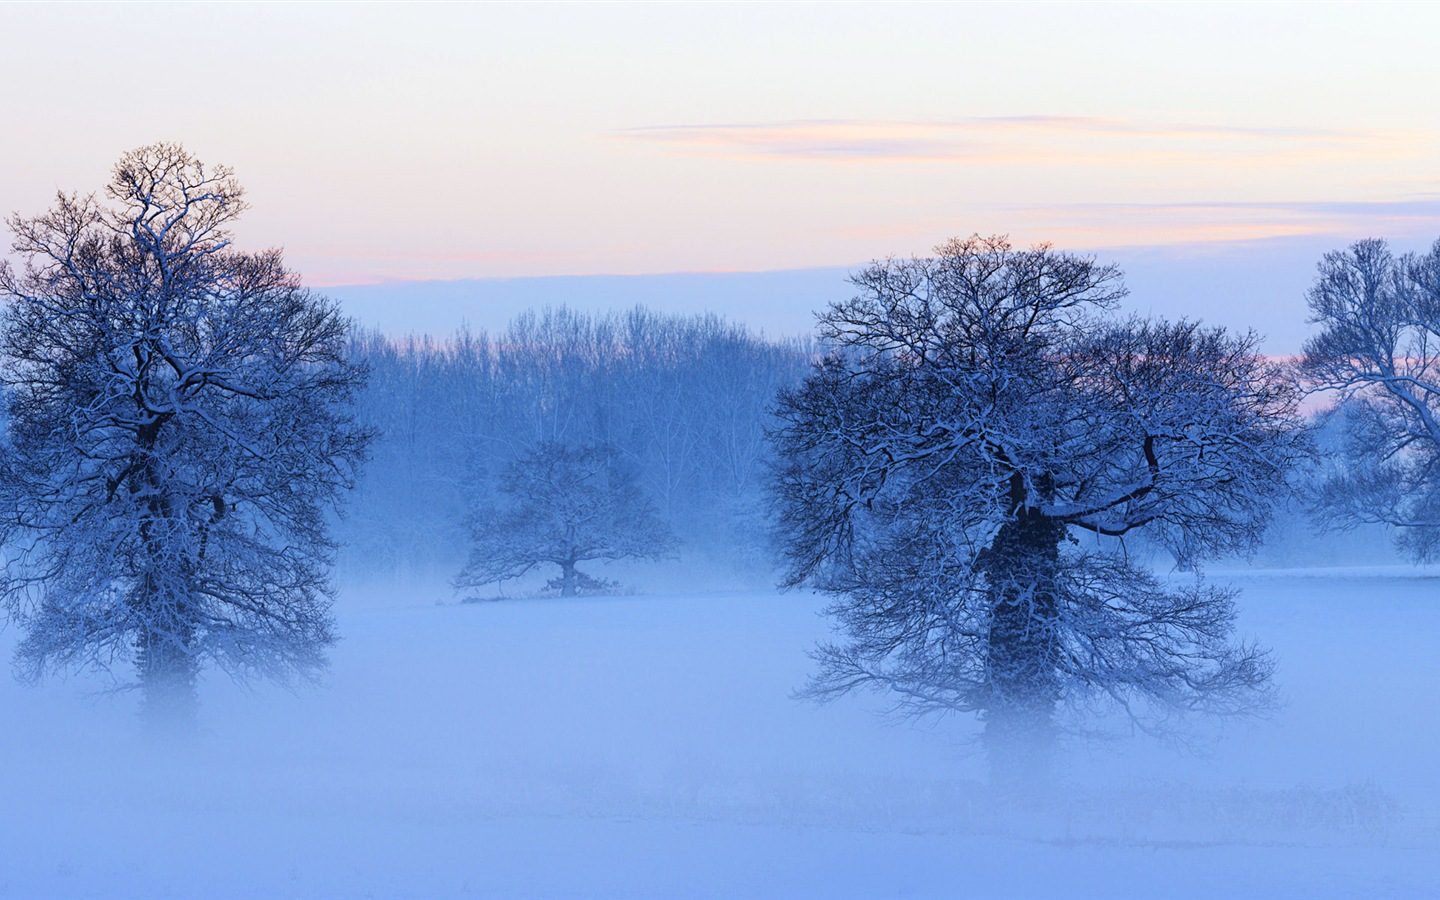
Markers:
<point>648,746</point>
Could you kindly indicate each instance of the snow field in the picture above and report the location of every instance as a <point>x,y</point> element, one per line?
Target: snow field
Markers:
<point>647,746</point>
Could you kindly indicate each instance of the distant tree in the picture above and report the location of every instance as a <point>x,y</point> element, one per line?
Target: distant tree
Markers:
<point>178,424</point>
<point>1378,354</point>
<point>564,505</point>
<point>977,417</point>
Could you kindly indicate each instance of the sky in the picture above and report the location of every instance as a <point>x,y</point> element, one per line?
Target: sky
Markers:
<point>391,144</point>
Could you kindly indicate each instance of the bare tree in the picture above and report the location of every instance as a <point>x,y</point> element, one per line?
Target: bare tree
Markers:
<point>565,505</point>
<point>978,416</point>
<point>1379,351</point>
<point>178,425</point>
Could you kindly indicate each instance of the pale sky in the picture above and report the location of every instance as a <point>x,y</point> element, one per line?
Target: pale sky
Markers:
<point>388,142</point>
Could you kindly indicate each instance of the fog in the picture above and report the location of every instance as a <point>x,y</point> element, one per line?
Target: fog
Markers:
<point>649,743</point>
<point>648,746</point>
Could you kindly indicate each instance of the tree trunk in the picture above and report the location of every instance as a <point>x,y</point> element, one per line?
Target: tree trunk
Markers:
<point>168,673</point>
<point>567,578</point>
<point>165,656</point>
<point>1021,569</point>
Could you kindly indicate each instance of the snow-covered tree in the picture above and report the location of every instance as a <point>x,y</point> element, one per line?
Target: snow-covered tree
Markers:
<point>178,425</point>
<point>959,472</point>
<point>564,505</point>
<point>1379,352</point>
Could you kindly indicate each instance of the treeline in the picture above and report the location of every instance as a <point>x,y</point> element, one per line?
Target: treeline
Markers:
<point>684,400</point>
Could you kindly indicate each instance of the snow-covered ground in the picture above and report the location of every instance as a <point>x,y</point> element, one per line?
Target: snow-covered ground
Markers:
<point>647,746</point>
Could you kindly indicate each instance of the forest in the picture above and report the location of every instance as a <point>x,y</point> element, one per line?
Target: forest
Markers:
<point>685,401</point>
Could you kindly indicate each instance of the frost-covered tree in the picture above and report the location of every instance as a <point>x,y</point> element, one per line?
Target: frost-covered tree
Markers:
<point>1379,351</point>
<point>564,505</point>
<point>178,424</point>
<point>957,472</point>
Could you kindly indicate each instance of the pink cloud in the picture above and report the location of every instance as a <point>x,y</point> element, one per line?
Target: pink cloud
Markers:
<point>1028,140</point>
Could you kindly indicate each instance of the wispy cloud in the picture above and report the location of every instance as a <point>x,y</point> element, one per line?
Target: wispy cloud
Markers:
<point>1098,225</point>
<point>1425,208</point>
<point>1248,220</point>
<point>1026,140</point>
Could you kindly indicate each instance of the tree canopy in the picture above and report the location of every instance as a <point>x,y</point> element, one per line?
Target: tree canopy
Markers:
<point>1378,353</point>
<point>961,471</point>
<point>178,424</point>
<point>564,505</point>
